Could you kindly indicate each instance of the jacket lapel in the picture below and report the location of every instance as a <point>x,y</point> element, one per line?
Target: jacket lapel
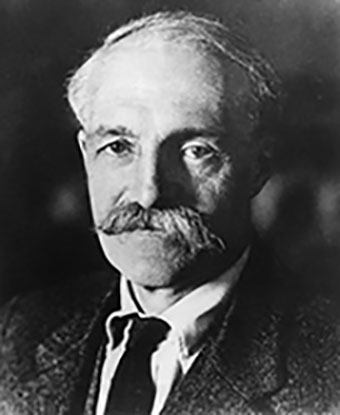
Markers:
<point>65,359</point>
<point>240,367</point>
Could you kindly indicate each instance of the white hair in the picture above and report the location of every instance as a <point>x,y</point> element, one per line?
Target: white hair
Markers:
<point>205,33</point>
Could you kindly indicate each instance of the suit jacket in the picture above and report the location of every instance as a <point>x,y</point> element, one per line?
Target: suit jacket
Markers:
<point>277,353</point>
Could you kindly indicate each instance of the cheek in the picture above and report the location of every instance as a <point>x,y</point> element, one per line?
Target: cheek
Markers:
<point>212,188</point>
<point>105,188</point>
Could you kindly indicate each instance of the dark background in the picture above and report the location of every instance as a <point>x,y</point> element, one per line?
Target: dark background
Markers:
<point>44,215</point>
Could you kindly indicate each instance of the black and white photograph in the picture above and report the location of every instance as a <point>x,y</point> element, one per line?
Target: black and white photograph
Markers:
<point>170,210</point>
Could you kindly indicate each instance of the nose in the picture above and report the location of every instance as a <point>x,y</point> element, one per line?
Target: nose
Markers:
<point>146,183</point>
<point>158,179</point>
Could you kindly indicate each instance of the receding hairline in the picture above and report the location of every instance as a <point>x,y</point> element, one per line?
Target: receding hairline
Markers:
<point>182,28</point>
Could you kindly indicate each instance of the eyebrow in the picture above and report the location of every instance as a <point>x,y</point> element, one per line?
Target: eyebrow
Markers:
<point>191,133</point>
<point>118,131</point>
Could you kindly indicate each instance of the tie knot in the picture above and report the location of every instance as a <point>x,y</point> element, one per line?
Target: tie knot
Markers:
<point>147,333</point>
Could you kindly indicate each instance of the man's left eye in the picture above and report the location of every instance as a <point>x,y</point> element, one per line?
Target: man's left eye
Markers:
<point>197,152</point>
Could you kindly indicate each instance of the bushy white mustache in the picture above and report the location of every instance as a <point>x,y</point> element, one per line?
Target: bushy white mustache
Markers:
<point>184,224</point>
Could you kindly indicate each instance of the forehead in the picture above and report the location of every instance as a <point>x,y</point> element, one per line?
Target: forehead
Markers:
<point>158,78</point>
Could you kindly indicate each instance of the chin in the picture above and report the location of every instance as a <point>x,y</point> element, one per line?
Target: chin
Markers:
<point>148,260</point>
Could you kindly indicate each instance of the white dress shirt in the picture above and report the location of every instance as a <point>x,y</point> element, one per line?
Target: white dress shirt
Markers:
<point>189,318</point>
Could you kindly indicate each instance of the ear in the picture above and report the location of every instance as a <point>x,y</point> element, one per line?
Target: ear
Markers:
<point>81,137</point>
<point>260,174</point>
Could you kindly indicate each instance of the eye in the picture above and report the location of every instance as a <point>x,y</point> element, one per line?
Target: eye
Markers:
<point>197,151</point>
<point>119,147</point>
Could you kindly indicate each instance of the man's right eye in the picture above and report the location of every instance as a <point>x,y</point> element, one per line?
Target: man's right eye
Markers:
<point>119,147</point>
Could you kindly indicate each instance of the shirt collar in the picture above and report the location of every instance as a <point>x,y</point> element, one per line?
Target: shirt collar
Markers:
<point>190,317</point>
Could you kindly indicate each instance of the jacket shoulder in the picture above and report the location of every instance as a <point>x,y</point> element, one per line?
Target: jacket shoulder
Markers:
<point>312,358</point>
<point>31,316</point>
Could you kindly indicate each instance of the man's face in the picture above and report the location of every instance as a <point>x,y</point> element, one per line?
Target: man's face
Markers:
<point>160,138</point>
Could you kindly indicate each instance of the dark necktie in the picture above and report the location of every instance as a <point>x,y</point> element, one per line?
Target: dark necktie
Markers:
<point>132,390</point>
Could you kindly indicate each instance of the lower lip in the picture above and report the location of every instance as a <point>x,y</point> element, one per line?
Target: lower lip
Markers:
<point>140,233</point>
<point>141,237</point>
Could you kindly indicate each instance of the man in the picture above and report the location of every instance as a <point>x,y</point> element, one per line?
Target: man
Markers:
<point>173,112</point>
